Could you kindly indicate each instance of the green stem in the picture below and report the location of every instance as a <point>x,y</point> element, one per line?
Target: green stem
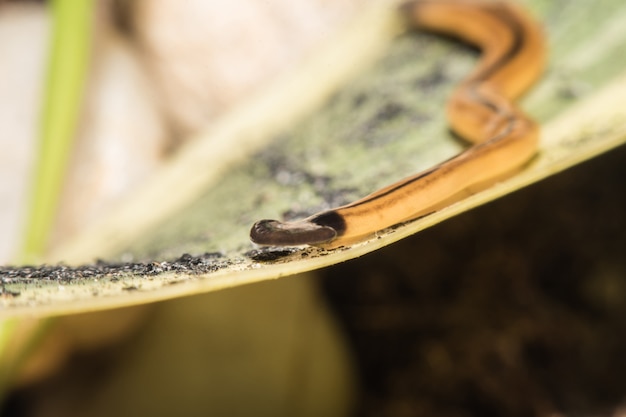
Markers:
<point>67,67</point>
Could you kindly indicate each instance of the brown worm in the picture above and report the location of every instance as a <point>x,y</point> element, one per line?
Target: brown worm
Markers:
<point>481,111</point>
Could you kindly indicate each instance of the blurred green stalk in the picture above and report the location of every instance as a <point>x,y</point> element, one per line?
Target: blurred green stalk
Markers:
<point>72,22</point>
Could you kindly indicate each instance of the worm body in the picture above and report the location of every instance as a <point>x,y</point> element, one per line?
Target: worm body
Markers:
<point>481,111</point>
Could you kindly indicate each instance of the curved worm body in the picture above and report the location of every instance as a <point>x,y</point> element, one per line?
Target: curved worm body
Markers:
<point>481,110</point>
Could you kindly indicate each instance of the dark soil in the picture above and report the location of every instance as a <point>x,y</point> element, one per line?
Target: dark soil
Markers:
<point>517,308</point>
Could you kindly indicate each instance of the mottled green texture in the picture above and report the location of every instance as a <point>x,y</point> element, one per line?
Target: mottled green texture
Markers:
<point>586,41</point>
<point>385,124</point>
<point>367,135</point>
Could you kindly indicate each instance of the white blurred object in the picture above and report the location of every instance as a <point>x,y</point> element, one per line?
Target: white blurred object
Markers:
<point>24,29</point>
<point>121,140</point>
<point>207,55</point>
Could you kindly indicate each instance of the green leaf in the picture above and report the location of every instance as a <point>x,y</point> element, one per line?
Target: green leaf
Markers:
<point>376,121</point>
